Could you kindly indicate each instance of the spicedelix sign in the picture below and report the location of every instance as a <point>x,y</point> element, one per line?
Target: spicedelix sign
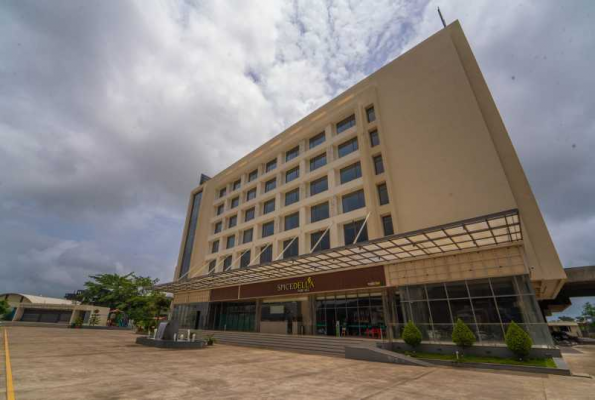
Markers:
<point>354,279</point>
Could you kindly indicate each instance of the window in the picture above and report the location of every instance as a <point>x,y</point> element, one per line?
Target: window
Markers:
<point>324,244</point>
<point>235,202</point>
<point>218,227</point>
<point>247,236</point>
<point>268,206</point>
<point>292,174</point>
<point>251,194</point>
<point>319,212</point>
<point>378,165</point>
<point>318,161</point>
<point>353,201</point>
<point>222,192</point>
<point>270,185</point>
<point>382,194</point>
<point>292,221</point>
<point>268,229</point>
<point>351,230</point>
<point>387,225</point>
<point>346,124</point>
<point>266,254</point>
<point>227,263</point>
<point>233,221</point>
<point>236,185</point>
<point>371,114</point>
<point>351,172</point>
<point>271,165</point>
<point>316,140</point>
<point>291,248</point>
<point>292,196</point>
<point>347,147</point>
<point>212,265</point>
<point>293,153</point>
<point>220,209</point>
<point>245,259</point>
<point>231,241</point>
<point>215,246</point>
<point>249,214</point>
<point>374,138</point>
<point>252,175</point>
<point>319,185</point>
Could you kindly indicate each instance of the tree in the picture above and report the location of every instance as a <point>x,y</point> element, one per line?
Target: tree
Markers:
<point>145,309</point>
<point>462,335</point>
<point>565,318</point>
<point>4,307</point>
<point>518,341</point>
<point>589,313</point>
<point>411,334</point>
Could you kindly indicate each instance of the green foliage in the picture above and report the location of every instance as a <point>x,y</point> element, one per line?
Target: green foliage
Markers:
<point>462,335</point>
<point>4,307</point>
<point>210,339</point>
<point>94,319</point>
<point>518,341</point>
<point>565,318</point>
<point>411,334</point>
<point>78,322</point>
<point>588,313</point>
<point>145,309</point>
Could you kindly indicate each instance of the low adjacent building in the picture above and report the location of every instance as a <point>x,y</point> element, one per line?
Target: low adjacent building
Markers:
<point>402,199</point>
<point>48,310</point>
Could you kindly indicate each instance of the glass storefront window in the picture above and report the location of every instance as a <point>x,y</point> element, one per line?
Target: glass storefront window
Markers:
<point>436,292</point>
<point>503,287</point>
<point>457,290</point>
<point>480,288</point>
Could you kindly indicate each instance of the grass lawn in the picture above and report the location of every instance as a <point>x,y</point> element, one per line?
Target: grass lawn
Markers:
<point>533,362</point>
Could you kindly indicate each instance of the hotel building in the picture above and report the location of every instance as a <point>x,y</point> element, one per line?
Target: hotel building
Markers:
<point>403,198</point>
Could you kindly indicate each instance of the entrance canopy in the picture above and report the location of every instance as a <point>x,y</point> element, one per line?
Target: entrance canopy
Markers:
<point>489,230</point>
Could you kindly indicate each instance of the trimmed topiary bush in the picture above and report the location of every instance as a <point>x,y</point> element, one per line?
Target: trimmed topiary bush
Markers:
<point>518,341</point>
<point>462,335</point>
<point>411,334</point>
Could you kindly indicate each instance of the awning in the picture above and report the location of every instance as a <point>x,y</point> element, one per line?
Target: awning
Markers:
<point>490,230</point>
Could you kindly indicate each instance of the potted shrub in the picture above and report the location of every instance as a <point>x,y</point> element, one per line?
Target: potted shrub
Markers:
<point>78,323</point>
<point>462,336</point>
<point>518,341</point>
<point>210,340</point>
<point>412,335</point>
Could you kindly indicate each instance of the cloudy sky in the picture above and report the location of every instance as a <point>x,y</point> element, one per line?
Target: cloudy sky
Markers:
<point>109,112</point>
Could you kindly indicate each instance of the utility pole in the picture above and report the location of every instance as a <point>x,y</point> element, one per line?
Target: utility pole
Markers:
<point>441,18</point>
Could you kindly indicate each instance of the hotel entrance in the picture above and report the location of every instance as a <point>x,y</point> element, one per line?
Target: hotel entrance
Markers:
<point>286,316</point>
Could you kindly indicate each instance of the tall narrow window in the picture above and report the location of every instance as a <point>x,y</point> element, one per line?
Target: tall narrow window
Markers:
<point>292,174</point>
<point>319,185</point>
<point>346,124</point>
<point>371,114</point>
<point>387,225</point>
<point>271,165</point>
<point>222,192</point>
<point>235,202</point>
<point>218,227</point>
<point>247,236</point>
<point>192,225</point>
<point>323,244</point>
<point>268,229</point>
<point>316,140</point>
<point>215,247</point>
<point>233,221</point>
<point>351,172</point>
<point>292,196</point>
<point>220,209</point>
<point>293,153</point>
<point>378,165</point>
<point>251,194</point>
<point>319,212</point>
<point>292,221</point>
<point>382,194</point>
<point>252,175</point>
<point>249,214</point>
<point>353,201</point>
<point>227,263</point>
<point>266,254</point>
<point>351,230</point>
<point>245,259</point>
<point>374,138</point>
<point>268,206</point>
<point>231,241</point>
<point>291,248</point>
<point>347,147</point>
<point>270,185</point>
<point>236,185</point>
<point>212,265</point>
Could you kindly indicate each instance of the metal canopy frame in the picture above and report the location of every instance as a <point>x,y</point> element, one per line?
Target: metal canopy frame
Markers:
<point>489,230</point>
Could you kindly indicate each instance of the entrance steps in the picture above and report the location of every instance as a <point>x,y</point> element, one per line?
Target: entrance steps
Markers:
<point>326,345</point>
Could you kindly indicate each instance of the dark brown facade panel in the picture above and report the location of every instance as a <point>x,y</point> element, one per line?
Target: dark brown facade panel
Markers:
<point>227,293</point>
<point>353,279</point>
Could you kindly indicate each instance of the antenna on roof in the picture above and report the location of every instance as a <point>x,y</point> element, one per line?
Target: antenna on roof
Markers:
<point>441,17</point>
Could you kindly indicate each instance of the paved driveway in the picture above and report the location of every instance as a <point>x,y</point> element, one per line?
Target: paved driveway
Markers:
<point>88,364</point>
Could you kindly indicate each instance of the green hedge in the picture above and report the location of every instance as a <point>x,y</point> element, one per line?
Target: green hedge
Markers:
<point>411,334</point>
<point>462,335</point>
<point>518,341</point>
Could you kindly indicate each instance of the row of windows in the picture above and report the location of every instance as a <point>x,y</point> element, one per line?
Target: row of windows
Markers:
<point>347,174</point>
<point>353,232</point>
<point>314,141</point>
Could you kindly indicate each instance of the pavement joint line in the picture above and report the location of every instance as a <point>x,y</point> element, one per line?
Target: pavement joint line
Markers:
<point>9,384</point>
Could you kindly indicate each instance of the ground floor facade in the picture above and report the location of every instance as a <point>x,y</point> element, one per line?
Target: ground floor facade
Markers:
<point>363,303</point>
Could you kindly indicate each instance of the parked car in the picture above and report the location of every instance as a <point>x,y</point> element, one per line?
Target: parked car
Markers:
<point>565,338</point>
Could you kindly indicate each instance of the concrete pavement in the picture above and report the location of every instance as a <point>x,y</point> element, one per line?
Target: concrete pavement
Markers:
<point>90,364</point>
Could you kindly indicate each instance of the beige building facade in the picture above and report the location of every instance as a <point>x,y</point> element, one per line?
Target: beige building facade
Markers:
<point>409,175</point>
